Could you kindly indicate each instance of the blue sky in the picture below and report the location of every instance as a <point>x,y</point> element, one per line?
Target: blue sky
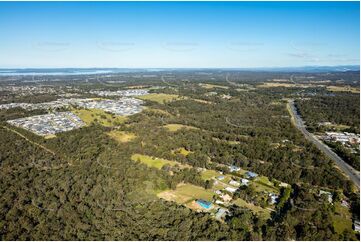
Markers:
<point>178,34</point>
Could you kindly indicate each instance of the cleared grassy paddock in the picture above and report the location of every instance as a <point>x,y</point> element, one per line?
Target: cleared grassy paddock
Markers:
<point>121,136</point>
<point>98,116</point>
<point>211,86</point>
<point>262,183</point>
<point>341,219</point>
<point>176,127</point>
<point>290,85</point>
<point>343,89</point>
<point>262,212</point>
<point>159,97</point>
<point>209,174</point>
<point>156,162</point>
<point>185,193</point>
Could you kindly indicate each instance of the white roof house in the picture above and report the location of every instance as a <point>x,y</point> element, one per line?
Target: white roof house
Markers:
<point>244,182</point>
<point>234,183</point>
<point>231,189</point>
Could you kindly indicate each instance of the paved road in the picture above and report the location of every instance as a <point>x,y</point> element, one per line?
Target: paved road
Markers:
<point>353,174</point>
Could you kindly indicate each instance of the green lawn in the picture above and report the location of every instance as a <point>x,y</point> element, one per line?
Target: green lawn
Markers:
<point>159,97</point>
<point>341,219</point>
<point>209,174</point>
<point>262,183</point>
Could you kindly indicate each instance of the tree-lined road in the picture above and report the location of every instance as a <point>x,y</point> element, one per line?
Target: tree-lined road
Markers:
<point>346,168</point>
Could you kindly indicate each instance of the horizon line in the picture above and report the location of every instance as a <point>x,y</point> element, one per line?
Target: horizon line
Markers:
<point>259,67</point>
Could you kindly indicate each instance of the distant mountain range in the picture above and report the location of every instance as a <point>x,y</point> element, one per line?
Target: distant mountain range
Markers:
<point>90,71</point>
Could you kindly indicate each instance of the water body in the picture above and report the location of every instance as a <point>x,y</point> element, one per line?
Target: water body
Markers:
<point>62,71</point>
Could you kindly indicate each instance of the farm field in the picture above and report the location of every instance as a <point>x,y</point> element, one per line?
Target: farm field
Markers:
<point>121,136</point>
<point>159,97</point>
<point>90,116</point>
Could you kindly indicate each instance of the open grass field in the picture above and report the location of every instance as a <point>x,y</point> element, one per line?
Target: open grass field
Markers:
<point>209,174</point>
<point>185,193</point>
<point>159,97</point>
<point>176,127</point>
<point>211,86</point>
<point>121,136</point>
<point>264,213</point>
<point>343,89</point>
<point>342,219</point>
<point>98,116</point>
<point>155,162</point>
<point>262,183</point>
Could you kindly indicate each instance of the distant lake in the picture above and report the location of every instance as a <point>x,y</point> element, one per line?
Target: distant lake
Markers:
<point>46,73</point>
<point>63,71</point>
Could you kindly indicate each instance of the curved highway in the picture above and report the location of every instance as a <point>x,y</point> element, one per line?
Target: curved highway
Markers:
<point>353,174</point>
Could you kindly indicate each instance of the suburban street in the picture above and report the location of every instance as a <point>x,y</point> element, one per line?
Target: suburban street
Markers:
<point>347,169</point>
